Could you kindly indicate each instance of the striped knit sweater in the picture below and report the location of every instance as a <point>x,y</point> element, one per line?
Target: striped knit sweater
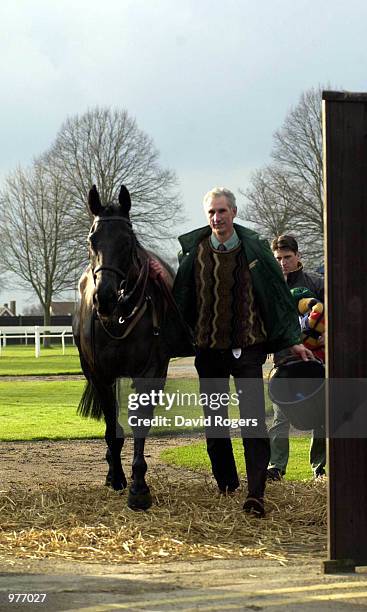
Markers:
<point>228,316</point>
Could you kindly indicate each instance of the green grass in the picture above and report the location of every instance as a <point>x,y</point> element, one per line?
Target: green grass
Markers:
<point>33,409</point>
<point>195,457</point>
<point>20,361</point>
<point>44,410</point>
<point>47,409</point>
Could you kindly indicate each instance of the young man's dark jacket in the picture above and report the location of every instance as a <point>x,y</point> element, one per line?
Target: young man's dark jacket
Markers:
<point>313,282</point>
<point>272,295</point>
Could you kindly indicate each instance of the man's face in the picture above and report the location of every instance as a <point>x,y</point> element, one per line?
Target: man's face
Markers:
<point>220,215</point>
<point>288,260</point>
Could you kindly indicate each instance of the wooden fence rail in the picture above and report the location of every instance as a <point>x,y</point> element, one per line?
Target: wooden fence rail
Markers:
<point>35,333</point>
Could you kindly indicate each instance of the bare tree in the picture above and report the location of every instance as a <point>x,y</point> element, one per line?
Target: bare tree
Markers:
<point>37,245</point>
<point>270,201</point>
<point>33,309</point>
<point>287,195</point>
<point>106,148</point>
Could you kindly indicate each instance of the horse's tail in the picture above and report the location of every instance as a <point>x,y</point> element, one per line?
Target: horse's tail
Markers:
<point>90,404</point>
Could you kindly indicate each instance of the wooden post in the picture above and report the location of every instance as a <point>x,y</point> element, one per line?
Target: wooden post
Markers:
<point>37,341</point>
<point>345,170</point>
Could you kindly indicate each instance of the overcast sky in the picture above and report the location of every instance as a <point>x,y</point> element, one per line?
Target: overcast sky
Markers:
<point>209,82</point>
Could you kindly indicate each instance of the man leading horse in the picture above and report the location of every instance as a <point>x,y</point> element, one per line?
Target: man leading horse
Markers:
<point>232,294</point>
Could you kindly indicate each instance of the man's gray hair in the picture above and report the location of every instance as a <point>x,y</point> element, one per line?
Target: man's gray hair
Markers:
<point>220,191</point>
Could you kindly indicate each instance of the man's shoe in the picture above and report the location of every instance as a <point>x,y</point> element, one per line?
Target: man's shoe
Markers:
<point>255,506</point>
<point>274,474</point>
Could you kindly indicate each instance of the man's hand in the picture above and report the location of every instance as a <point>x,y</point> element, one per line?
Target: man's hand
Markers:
<point>300,351</point>
<point>155,267</point>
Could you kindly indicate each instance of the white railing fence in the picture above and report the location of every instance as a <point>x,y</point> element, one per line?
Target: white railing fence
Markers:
<point>35,333</point>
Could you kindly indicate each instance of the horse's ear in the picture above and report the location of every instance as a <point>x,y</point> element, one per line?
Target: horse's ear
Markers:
<point>94,201</point>
<point>124,200</point>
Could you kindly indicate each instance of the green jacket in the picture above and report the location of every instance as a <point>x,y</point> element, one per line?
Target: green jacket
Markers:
<point>271,292</point>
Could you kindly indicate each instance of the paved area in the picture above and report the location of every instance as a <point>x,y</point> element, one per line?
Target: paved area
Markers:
<point>181,367</point>
<point>210,585</point>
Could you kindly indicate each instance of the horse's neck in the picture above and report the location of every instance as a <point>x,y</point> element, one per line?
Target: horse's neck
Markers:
<point>141,254</point>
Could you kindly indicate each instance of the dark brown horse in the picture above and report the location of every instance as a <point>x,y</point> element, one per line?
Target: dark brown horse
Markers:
<point>119,330</point>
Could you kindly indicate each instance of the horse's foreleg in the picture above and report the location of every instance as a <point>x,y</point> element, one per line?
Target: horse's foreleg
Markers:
<point>114,437</point>
<point>139,494</point>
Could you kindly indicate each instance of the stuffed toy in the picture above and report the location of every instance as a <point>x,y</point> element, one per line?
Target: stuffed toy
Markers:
<point>312,318</point>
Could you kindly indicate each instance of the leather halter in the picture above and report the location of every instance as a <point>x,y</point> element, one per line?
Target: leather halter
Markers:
<point>100,220</point>
<point>113,218</point>
<point>109,269</point>
<point>140,307</point>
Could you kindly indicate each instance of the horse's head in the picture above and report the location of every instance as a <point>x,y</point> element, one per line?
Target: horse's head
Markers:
<point>112,245</point>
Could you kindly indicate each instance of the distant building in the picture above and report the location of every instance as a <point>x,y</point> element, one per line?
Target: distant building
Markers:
<point>62,308</point>
<point>8,311</point>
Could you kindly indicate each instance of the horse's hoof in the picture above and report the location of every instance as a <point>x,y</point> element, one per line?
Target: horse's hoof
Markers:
<point>139,501</point>
<point>116,486</point>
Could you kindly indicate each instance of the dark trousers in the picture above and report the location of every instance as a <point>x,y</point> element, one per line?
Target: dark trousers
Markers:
<point>214,368</point>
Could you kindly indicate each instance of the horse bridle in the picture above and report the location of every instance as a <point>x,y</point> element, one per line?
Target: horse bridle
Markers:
<point>108,268</point>
<point>132,319</point>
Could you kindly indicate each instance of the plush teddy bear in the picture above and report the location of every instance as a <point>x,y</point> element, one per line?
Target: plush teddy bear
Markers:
<point>312,317</point>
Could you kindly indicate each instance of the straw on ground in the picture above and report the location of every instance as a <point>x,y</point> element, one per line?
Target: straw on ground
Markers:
<point>188,521</point>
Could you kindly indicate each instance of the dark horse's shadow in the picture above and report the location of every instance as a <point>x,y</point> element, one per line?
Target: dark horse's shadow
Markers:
<point>121,330</point>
